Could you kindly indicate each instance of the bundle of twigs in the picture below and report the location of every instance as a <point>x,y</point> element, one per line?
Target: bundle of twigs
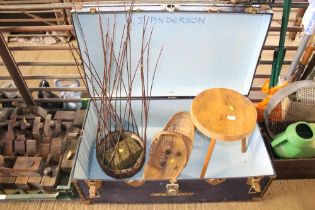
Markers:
<point>120,150</point>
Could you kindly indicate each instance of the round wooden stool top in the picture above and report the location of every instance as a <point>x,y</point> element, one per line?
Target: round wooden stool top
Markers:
<point>223,114</point>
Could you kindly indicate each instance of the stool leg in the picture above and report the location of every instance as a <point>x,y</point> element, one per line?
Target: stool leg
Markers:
<point>209,153</point>
<point>244,146</point>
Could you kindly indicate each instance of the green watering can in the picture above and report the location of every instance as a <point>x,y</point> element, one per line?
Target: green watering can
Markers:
<point>297,141</point>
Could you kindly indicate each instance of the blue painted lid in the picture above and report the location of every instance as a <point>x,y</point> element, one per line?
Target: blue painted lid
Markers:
<point>201,50</point>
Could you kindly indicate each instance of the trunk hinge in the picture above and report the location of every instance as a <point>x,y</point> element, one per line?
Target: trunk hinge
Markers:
<point>254,183</point>
<point>252,10</point>
<point>255,10</point>
<point>93,10</point>
<point>94,188</point>
<point>213,9</point>
<point>170,7</point>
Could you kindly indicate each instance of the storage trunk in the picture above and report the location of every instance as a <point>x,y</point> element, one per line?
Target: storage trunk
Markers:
<point>205,46</point>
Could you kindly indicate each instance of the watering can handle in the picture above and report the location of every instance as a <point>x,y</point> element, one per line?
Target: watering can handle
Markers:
<point>279,140</point>
<point>279,95</point>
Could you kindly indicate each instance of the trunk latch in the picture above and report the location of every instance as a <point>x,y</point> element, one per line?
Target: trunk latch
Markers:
<point>254,183</point>
<point>94,188</point>
<point>172,188</point>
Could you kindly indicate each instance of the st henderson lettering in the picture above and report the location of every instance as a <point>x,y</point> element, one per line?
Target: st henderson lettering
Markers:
<point>171,20</point>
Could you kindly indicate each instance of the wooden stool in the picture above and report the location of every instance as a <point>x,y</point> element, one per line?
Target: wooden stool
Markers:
<point>223,114</point>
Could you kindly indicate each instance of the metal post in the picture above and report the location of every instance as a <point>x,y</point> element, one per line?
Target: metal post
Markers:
<point>35,28</point>
<point>298,56</point>
<point>281,50</point>
<point>15,73</point>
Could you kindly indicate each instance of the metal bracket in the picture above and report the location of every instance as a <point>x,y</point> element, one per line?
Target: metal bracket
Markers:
<point>254,183</point>
<point>83,198</point>
<point>170,7</point>
<point>93,10</point>
<point>252,10</point>
<point>214,9</point>
<point>77,5</point>
<point>255,10</point>
<point>214,182</point>
<point>94,188</point>
<point>172,188</point>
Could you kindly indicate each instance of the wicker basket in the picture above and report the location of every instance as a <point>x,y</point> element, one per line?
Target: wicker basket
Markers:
<point>171,148</point>
<point>123,161</point>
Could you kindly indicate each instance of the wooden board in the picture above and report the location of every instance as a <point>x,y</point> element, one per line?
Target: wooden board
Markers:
<point>19,147</point>
<point>64,115</point>
<point>49,182</point>
<point>27,163</point>
<point>31,147</point>
<point>7,147</point>
<point>55,149</point>
<point>34,181</point>
<point>68,157</point>
<point>7,181</point>
<point>79,117</point>
<point>40,111</point>
<point>21,182</point>
<point>36,127</point>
